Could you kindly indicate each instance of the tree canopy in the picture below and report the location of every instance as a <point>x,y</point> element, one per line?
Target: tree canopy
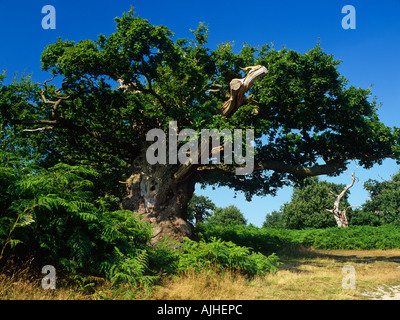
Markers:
<point>230,215</point>
<point>384,203</point>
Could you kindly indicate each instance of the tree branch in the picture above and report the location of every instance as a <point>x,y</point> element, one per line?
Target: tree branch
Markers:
<point>239,87</point>
<point>98,135</point>
<point>349,207</point>
<point>136,87</point>
<point>61,122</point>
<point>38,129</point>
<point>300,171</point>
<point>340,196</point>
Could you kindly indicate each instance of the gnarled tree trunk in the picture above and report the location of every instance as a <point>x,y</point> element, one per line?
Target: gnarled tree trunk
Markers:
<point>160,199</point>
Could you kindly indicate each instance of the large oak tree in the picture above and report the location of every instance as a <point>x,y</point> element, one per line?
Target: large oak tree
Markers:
<point>106,94</point>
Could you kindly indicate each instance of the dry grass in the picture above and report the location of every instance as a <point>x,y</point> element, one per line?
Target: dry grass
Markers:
<point>11,289</point>
<point>305,274</point>
<point>205,286</point>
<point>24,283</point>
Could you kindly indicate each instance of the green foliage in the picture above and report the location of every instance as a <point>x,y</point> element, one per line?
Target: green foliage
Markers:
<point>351,238</point>
<point>132,269</point>
<point>361,217</point>
<point>264,240</point>
<point>275,219</point>
<point>267,240</point>
<point>384,204</point>
<point>221,255</point>
<point>226,216</point>
<point>53,217</point>
<point>11,171</point>
<point>163,257</point>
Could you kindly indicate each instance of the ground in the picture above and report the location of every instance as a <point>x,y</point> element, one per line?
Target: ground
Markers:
<point>304,274</point>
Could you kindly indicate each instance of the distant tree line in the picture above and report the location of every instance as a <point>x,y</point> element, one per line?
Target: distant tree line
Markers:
<point>311,198</point>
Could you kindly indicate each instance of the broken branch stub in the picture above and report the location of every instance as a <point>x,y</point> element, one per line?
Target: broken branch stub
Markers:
<point>239,87</point>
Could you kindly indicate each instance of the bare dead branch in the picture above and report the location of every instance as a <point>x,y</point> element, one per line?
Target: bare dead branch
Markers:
<point>38,129</point>
<point>333,194</point>
<point>350,207</point>
<point>340,215</point>
<point>215,90</point>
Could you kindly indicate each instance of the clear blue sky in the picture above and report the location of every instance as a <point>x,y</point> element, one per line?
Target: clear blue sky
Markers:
<point>370,53</point>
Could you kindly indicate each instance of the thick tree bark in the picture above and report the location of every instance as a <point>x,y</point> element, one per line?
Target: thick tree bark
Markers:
<point>160,199</point>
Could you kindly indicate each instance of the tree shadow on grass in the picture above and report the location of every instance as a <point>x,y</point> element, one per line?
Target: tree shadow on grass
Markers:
<point>295,257</point>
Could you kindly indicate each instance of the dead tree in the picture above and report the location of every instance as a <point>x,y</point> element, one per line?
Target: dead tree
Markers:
<point>341,215</point>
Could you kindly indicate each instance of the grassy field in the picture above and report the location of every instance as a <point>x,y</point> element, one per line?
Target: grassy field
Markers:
<point>304,274</point>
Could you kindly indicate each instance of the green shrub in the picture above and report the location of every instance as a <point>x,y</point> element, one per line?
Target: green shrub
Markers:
<point>221,255</point>
<point>360,217</point>
<point>230,215</point>
<point>163,257</point>
<point>267,240</point>
<point>264,240</point>
<point>385,199</point>
<point>53,217</point>
<point>132,269</point>
<point>351,238</point>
